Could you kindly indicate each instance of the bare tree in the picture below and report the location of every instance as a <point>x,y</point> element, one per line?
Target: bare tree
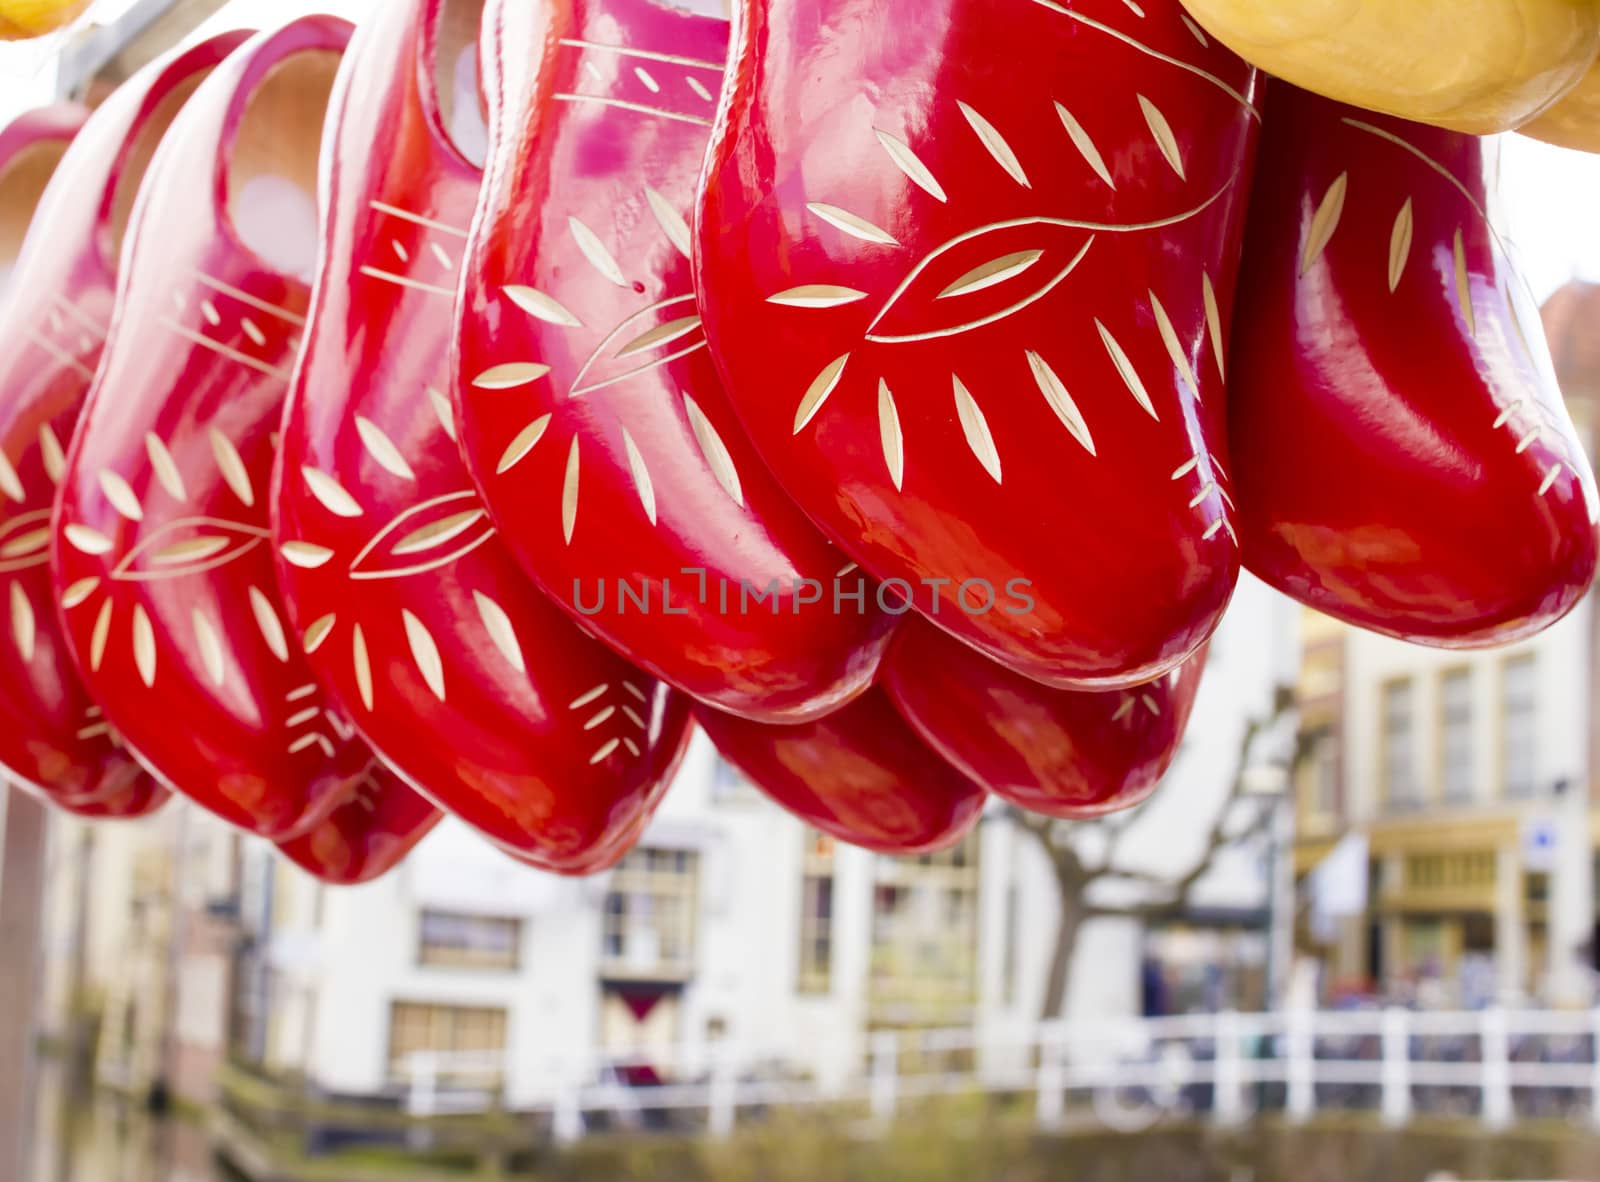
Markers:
<point>1080,862</point>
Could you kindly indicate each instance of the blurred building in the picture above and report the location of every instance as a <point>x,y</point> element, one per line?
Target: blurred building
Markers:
<point>1466,772</point>
<point>731,920</point>
<point>734,921</point>
<point>141,947</point>
<point>1470,777</point>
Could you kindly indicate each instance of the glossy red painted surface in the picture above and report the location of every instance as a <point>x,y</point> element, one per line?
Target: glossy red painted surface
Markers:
<point>590,412</point>
<point>161,554</point>
<point>31,148</point>
<point>457,669</point>
<point>1403,457</point>
<point>860,774</point>
<point>1064,753</point>
<point>52,732</point>
<point>365,837</point>
<point>953,260</point>
<point>139,797</point>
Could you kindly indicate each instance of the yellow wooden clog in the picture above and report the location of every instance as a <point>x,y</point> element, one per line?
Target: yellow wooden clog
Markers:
<point>1478,66</point>
<point>1574,122</point>
<point>20,19</point>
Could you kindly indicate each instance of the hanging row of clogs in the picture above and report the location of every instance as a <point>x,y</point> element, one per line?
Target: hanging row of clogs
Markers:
<point>442,415</point>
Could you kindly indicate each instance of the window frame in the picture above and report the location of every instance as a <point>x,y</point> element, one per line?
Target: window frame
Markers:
<point>1459,674</point>
<point>900,981</point>
<point>466,962</point>
<point>641,875</point>
<point>1518,661</point>
<point>449,1018</point>
<point>818,873</point>
<point>1414,798</point>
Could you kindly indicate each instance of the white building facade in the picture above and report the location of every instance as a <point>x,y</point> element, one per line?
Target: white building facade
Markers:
<point>1469,771</point>
<point>732,921</point>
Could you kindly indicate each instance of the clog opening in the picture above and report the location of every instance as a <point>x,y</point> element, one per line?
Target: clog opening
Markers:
<point>22,183</point>
<point>456,82</point>
<point>272,176</point>
<point>138,155</point>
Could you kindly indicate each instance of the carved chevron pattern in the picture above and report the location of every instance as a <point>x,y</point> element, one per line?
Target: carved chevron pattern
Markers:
<point>433,533</point>
<point>921,309</point>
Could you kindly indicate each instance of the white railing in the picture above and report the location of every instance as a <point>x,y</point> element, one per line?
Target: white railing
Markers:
<point>1494,1065</point>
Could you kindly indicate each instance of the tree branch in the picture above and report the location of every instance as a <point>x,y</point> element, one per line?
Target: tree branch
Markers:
<point>1116,828</point>
<point>1071,874</point>
<point>1059,843</point>
<point>1220,838</point>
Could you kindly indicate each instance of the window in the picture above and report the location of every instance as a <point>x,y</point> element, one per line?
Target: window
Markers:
<point>1536,888</point>
<point>453,941</point>
<point>650,915</point>
<point>1399,772</point>
<point>1455,736</point>
<point>1518,702</point>
<point>924,938</point>
<point>476,1033</point>
<point>816,916</point>
<point>1450,872</point>
<point>1318,777</point>
<point>1326,770</point>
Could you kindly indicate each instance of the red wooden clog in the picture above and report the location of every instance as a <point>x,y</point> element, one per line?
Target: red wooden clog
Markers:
<point>860,774</point>
<point>135,799</point>
<point>367,836</point>
<point>1403,457</point>
<point>412,612</point>
<point>965,267</point>
<point>1063,753</point>
<point>53,735</point>
<point>31,150</point>
<point>162,555</point>
<point>590,412</point>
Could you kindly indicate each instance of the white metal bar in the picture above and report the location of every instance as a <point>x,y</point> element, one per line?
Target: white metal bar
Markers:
<point>567,1125</point>
<point>1051,1082</point>
<point>1469,1052</point>
<point>424,1084</point>
<point>724,1099</point>
<point>1300,1048</point>
<point>1396,1067</point>
<point>1495,1064</point>
<point>1228,1080</point>
<point>1578,1077</point>
<point>1594,1055</point>
<point>885,1076</point>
